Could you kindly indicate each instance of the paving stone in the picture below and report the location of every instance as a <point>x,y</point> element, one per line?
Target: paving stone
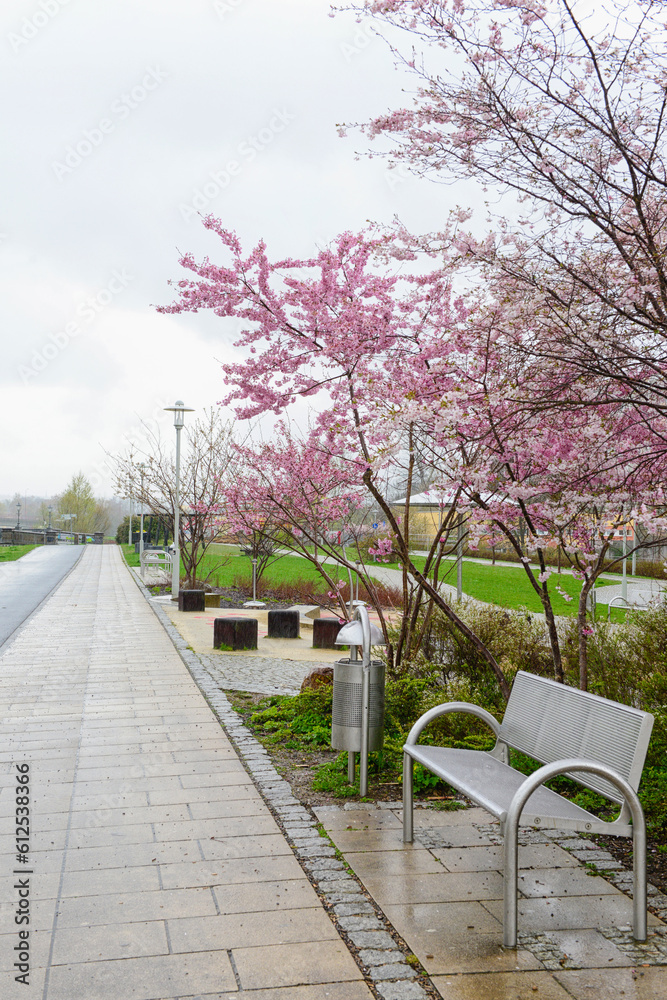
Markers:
<point>360,923</point>
<point>401,991</point>
<point>372,939</point>
<point>325,875</point>
<point>316,865</point>
<point>341,885</point>
<point>353,909</point>
<point>393,971</point>
<point>334,897</point>
<point>374,956</point>
<point>319,851</point>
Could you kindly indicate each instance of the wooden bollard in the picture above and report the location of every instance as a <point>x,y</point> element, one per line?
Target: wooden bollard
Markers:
<point>283,624</point>
<point>235,633</point>
<point>325,631</point>
<point>191,600</point>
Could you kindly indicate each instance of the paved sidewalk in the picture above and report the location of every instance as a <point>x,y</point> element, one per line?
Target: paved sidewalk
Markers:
<point>156,871</point>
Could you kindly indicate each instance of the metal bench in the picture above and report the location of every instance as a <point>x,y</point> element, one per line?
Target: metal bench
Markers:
<point>599,743</point>
<point>156,560</point>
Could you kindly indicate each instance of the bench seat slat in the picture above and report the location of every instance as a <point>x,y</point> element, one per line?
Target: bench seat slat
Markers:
<point>491,784</point>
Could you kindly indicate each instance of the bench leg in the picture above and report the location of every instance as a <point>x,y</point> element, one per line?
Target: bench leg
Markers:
<point>510,884</point>
<point>519,800</point>
<point>639,880</point>
<point>407,799</point>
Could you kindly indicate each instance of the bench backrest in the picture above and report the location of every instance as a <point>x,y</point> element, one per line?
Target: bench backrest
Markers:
<point>550,721</point>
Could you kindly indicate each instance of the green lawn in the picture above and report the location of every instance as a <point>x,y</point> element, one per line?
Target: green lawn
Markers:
<point>8,553</point>
<point>509,587</point>
<point>229,569</point>
<point>506,586</point>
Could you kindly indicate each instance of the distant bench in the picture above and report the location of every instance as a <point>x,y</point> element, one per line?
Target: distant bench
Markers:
<point>156,559</point>
<point>599,743</point>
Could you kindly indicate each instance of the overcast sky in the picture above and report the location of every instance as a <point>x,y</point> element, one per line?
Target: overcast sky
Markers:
<point>121,118</point>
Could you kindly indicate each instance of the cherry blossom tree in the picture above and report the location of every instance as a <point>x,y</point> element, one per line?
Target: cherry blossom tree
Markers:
<point>559,110</point>
<point>572,478</point>
<point>404,375</point>
<point>357,338</point>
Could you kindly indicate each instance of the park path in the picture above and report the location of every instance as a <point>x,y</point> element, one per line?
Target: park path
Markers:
<point>26,582</point>
<point>155,869</point>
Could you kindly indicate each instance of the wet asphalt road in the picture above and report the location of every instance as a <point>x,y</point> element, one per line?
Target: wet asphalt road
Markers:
<point>26,582</point>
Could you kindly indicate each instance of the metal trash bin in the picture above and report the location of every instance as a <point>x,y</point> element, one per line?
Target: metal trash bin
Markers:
<point>347,703</point>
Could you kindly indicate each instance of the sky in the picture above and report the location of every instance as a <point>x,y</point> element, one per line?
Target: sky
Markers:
<point>123,119</point>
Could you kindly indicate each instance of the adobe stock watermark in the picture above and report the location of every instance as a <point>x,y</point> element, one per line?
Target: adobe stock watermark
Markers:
<point>225,7</point>
<point>120,109</point>
<point>140,437</point>
<point>246,152</point>
<point>362,38</point>
<point>86,312</point>
<point>32,25</point>
<point>397,175</point>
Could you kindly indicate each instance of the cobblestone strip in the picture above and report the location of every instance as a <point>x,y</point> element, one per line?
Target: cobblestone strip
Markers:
<point>376,947</point>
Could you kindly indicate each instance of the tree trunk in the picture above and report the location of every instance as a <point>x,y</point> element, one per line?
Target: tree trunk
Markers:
<point>581,635</point>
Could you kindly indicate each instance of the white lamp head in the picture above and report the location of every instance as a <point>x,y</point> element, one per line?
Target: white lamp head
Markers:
<point>179,409</point>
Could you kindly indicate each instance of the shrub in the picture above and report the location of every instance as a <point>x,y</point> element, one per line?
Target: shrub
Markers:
<point>517,639</point>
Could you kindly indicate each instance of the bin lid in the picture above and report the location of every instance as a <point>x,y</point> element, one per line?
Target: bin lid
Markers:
<point>352,635</point>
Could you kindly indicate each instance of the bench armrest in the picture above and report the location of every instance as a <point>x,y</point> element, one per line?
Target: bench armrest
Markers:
<point>451,706</point>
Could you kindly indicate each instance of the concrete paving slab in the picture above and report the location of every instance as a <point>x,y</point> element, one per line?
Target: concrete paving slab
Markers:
<point>417,888</point>
<point>324,991</point>
<point>634,984</point>
<point>248,930</point>
<point>265,896</point>
<point>502,986</point>
<point>146,978</point>
<point>479,859</point>
<point>378,864</point>
<point>573,912</point>
<point>294,964</point>
<point>564,882</point>
<point>459,941</point>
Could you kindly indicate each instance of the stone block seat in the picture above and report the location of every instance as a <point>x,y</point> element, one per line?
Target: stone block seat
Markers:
<point>235,633</point>
<point>325,631</point>
<point>283,624</point>
<point>191,600</point>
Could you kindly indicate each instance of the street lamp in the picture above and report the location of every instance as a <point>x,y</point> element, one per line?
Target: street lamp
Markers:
<point>18,515</point>
<point>50,510</point>
<point>142,472</point>
<point>179,410</point>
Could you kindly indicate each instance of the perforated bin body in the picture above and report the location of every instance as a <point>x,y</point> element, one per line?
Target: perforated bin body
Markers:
<point>346,712</point>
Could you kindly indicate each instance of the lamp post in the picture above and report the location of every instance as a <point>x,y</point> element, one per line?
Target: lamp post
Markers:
<point>179,410</point>
<point>142,472</point>
<point>50,510</point>
<point>18,515</point>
